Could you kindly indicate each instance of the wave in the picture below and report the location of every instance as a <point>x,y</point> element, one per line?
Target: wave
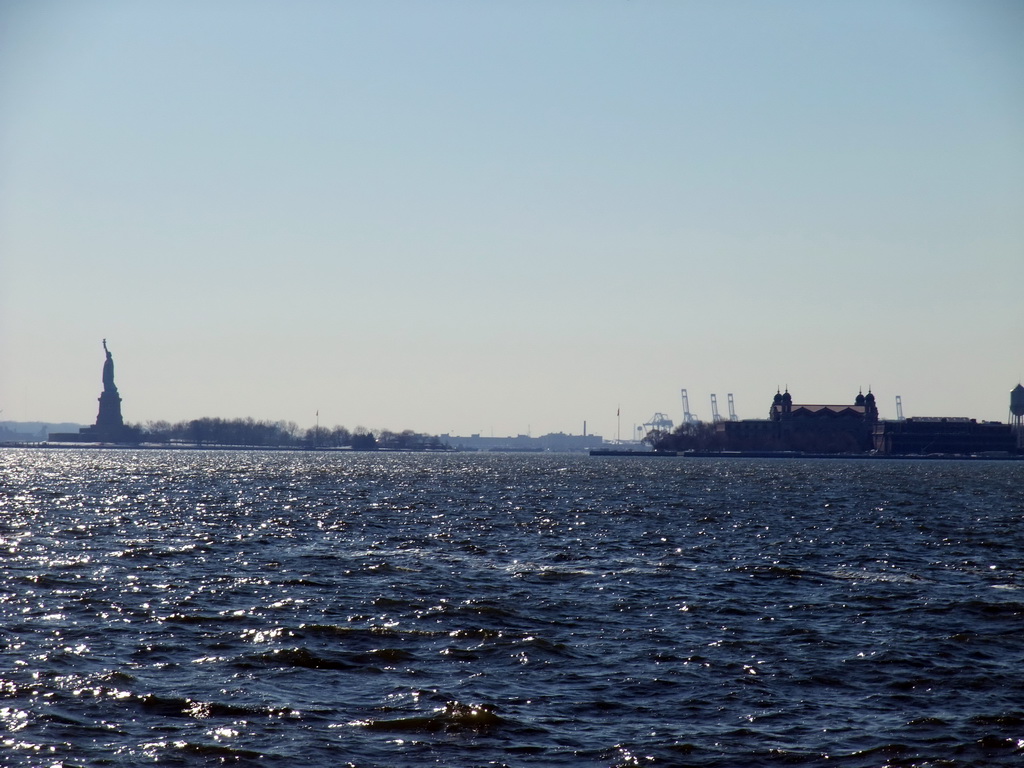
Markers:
<point>301,658</point>
<point>452,717</point>
<point>175,707</point>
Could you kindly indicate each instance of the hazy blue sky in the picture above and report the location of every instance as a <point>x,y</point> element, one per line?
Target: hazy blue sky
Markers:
<point>495,217</point>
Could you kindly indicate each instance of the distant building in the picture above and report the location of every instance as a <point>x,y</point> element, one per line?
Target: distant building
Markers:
<point>556,442</point>
<point>947,435</point>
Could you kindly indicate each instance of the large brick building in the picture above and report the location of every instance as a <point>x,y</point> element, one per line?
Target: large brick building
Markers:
<point>807,427</point>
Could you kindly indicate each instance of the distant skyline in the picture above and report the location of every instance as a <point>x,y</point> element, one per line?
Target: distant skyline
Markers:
<point>504,218</point>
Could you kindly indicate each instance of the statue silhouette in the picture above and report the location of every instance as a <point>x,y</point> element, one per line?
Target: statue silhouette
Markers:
<point>108,370</point>
<point>109,417</point>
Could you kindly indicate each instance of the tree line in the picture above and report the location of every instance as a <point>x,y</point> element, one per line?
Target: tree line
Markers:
<point>252,433</point>
<point>696,436</point>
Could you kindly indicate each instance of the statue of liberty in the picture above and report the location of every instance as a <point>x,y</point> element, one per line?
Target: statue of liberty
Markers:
<point>109,416</point>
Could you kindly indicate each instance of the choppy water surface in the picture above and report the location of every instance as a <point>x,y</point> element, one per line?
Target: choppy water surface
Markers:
<point>205,608</point>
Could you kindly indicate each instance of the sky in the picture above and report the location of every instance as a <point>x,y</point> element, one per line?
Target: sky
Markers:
<point>506,218</point>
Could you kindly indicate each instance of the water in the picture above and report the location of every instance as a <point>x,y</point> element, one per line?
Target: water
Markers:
<point>282,609</point>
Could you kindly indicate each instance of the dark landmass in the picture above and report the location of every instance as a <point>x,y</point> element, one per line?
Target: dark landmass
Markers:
<point>807,430</point>
<point>250,433</point>
<point>111,429</point>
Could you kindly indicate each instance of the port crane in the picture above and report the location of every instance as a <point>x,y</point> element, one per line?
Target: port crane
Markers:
<point>715,418</point>
<point>659,422</point>
<point>732,409</point>
<point>688,418</point>
<point>899,408</point>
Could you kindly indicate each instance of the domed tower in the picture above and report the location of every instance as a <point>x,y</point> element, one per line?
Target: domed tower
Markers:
<point>787,402</point>
<point>860,398</point>
<point>776,408</point>
<point>870,409</point>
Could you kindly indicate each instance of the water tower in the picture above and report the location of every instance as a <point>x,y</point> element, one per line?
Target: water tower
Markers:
<point>1017,414</point>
